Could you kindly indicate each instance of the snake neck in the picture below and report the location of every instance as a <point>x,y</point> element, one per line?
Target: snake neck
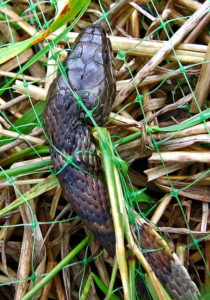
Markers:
<point>79,151</point>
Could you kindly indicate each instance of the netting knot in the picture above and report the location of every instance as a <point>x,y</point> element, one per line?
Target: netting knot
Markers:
<point>139,99</point>
<point>121,55</point>
<point>33,224</point>
<point>25,84</point>
<point>10,180</point>
<point>175,193</point>
<point>181,68</point>
<point>163,25</point>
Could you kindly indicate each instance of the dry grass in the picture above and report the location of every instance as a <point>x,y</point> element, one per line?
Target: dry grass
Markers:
<point>159,126</point>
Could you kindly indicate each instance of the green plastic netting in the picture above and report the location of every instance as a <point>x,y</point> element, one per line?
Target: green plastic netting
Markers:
<point>157,139</point>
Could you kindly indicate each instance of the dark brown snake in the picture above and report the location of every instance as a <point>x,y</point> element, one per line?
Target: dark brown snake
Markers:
<point>90,77</point>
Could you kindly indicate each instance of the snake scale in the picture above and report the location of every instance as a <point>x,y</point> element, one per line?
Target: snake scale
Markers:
<point>89,76</point>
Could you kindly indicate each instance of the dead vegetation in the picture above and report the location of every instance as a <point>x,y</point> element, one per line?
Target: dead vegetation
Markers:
<point>159,127</point>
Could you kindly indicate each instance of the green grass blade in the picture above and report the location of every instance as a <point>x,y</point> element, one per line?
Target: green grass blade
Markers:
<point>39,149</point>
<point>132,269</point>
<point>40,188</point>
<point>27,122</point>
<point>24,169</point>
<point>43,51</point>
<point>112,179</point>
<point>197,119</point>
<point>70,9</point>
<point>86,288</point>
<point>103,287</point>
<point>57,269</point>
<point>152,291</point>
<point>112,281</point>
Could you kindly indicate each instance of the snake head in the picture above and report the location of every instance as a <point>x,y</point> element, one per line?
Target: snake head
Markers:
<point>90,74</point>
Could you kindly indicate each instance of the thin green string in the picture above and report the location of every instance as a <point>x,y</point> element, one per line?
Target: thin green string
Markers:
<point>122,166</point>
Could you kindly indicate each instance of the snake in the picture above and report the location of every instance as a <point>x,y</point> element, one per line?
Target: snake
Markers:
<point>80,97</point>
<point>89,73</point>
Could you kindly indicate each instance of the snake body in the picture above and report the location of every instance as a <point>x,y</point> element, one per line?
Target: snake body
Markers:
<point>88,88</point>
<point>89,76</point>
